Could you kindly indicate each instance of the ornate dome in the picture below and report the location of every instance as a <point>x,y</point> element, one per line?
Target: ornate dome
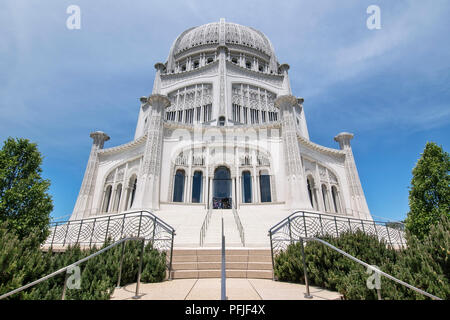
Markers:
<point>223,33</point>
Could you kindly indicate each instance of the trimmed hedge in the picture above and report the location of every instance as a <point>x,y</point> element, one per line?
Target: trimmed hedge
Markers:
<point>423,264</point>
<point>22,261</point>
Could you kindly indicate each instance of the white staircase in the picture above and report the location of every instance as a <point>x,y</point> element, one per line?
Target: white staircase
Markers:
<point>207,263</point>
<point>213,236</point>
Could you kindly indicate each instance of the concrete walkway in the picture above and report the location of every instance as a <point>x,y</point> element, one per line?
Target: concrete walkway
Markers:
<point>209,289</point>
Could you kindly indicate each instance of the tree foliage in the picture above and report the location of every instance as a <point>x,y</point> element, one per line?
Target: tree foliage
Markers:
<point>429,195</point>
<point>24,201</point>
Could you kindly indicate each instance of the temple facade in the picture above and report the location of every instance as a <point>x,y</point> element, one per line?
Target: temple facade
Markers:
<point>221,133</point>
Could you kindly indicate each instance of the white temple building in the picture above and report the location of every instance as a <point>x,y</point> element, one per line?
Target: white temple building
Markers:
<point>221,133</point>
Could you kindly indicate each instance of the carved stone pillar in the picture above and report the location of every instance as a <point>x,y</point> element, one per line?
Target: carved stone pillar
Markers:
<point>358,204</point>
<point>83,206</point>
<point>148,188</point>
<point>296,192</point>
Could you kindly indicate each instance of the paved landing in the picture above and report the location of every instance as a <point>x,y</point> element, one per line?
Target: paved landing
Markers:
<point>209,289</point>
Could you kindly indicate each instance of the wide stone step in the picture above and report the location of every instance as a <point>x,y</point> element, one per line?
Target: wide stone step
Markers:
<point>217,273</point>
<point>217,265</point>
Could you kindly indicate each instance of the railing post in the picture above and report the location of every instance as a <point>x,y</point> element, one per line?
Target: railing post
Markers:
<point>305,271</point>
<point>304,225</point>
<point>375,228</point>
<point>379,294</point>
<point>79,231</point>
<point>53,238</point>
<point>138,282</point>
<point>271,254</point>
<point>139,228</point>
<point>290,232</point>
<point>400,237</point>
<point>362,223</point>
<point>389,236</point>
<point>335,223</point>
<point>349,225</point>
<point>120,266</point>
<point>123,226</point>
<point>92,232</point>
<point>63,296</point>
<point>223,278</point>
<point>67,230</point>
<point>321,226</point>
<point>171,255</point>
<point>154,230</point>
<point>107,228</point>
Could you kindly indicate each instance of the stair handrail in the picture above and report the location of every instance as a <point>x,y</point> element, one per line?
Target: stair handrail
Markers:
<point>97,229</point>
<point>53,274</point>
<point>308,224</point>
<point>223,281</point>
<point>374,268</point>
<point>237,219</point>
<point>205,224</point>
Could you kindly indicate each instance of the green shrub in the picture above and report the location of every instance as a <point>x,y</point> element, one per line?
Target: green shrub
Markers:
<point>22,261</point>
<point>424,264</point>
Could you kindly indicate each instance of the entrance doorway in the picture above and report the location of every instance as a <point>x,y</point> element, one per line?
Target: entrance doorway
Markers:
<point>222,188</point>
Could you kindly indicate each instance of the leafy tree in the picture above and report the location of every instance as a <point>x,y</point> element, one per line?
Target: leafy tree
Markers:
<point>429,195</point>
<point>24,201</point>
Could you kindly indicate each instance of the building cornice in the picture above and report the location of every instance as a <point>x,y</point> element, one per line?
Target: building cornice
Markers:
<point>123,147</point>
<point>319,148</point>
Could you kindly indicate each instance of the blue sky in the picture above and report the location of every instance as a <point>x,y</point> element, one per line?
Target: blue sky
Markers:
<point>390,87</point>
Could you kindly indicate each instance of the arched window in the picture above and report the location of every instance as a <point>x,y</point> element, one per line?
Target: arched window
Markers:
<point>335,198</point>
<point>222,183</point>
<point>221,121</point>
<point>246,187</point>
<point>178,189</point>
<point>117,198</point>
<point>107,198</point>
<point>197,187</point>
<point>325,198</point>
<point>133,185</point>
<point>264,186</point>
<point>310,186</point>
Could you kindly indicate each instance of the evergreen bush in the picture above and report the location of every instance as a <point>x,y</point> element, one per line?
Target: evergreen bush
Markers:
<point>424,264</point>
<point>22,261</point>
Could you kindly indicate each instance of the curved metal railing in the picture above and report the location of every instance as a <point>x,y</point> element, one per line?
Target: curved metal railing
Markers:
<point>122,241</point>
<point>97,230</point>
<point>304,224</point>
<point>205,224</point>
<point>377,270</point>
<point>239,225</point>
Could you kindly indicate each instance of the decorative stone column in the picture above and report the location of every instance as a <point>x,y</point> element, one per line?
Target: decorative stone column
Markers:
<point>148,187</point>
<point>296,192</point>
<point>358,204</point>
<point>83,206</point>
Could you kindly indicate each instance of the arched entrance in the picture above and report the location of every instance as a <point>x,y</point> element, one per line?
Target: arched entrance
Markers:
<point>222,188</point>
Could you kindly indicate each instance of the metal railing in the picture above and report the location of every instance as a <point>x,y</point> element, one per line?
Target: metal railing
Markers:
<point>205,224</point>
<point>378,271</point>
<point>122,241</point>
<point>239,225</point>
<point>304,224</point>
<point>223,282</point>
<point>97,230</point>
